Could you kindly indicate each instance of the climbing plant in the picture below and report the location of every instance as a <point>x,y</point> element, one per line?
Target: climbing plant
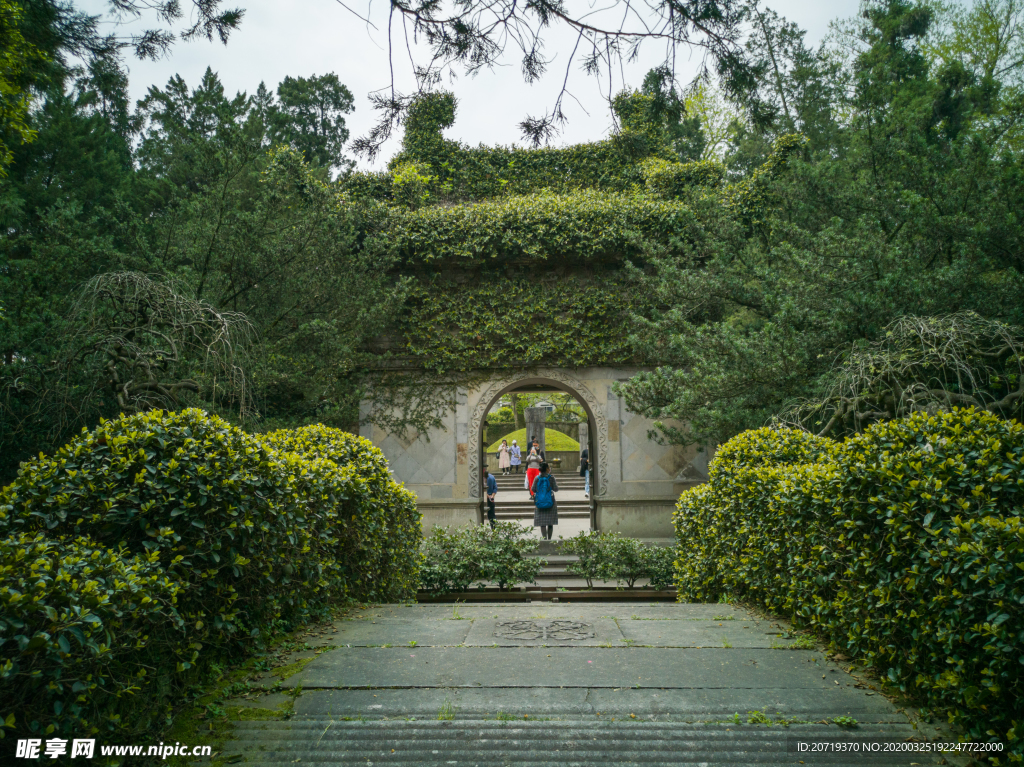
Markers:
<point>580,226</point>
<point>520,321</point>
<point>475,173</point>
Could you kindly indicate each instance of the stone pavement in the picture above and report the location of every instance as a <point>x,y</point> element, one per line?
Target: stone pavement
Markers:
<point>549,683</point>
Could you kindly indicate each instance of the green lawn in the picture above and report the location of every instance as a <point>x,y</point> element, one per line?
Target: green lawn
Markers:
<point>554,440</point>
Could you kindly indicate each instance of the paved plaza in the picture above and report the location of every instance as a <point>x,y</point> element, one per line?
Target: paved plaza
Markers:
<point>557,684</point>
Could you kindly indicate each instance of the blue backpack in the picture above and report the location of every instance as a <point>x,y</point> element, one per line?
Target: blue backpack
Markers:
<point>542,495</point>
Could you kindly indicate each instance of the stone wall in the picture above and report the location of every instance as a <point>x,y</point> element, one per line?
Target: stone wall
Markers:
<point>635,482</point>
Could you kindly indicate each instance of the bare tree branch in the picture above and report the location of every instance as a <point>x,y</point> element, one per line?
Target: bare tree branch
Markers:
<point>472,35</point>
<point>921,364</point>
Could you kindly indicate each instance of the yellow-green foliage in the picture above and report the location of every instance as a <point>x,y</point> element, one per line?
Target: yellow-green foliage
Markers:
<point>251,535</point>
<point>384,529</point>
<point>903,545</point>
<point>578,226</point>
<point>668,179</point>
<point>501,321</point>
<point>410,183</point>
<point>82,628</point>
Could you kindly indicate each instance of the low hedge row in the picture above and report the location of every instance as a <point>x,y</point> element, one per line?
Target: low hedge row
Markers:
<point>455,558</point>
<point>903,545</point>
<point>189,541</point>
<point>611,557</point>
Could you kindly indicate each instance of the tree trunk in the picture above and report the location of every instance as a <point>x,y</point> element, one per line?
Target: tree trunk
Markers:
<point>514,399</point>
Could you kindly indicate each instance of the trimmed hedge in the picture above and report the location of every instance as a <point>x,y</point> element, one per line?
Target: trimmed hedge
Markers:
<point>611,557</point>
<point>578,226</point>
<point>81,627</point>
<point>251,534</point>
<point>903,545</point>
<point>454,558</point>
<point>380,517</point>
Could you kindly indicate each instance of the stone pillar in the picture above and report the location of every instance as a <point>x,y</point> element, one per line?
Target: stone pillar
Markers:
<point>584,436</point>
<point>535,420</point>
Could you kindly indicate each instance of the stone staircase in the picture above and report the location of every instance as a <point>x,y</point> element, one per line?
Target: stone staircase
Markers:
<point>522,507</point>
<point>315,741</point>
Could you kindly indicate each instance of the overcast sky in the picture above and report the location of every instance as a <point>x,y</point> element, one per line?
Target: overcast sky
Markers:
<point>306,37</point>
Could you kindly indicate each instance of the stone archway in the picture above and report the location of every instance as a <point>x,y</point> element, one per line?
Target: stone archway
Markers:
<point>559,379</point>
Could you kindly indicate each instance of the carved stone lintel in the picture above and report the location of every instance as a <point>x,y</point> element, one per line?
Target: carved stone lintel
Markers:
<point>564,381</point>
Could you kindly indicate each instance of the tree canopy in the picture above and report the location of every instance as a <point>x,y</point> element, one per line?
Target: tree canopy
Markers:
<point>750,243</point>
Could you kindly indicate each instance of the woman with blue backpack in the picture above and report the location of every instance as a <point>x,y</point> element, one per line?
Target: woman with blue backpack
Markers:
<point>546,515</point>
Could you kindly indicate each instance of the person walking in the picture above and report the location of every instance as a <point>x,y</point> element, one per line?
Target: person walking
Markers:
<point>585,470</point>
<point>533,463</point>
<point>504,459</point>
<point>537,447</point>
<point>515,457</point>
<point>490,491</point>
<point>546,515</point>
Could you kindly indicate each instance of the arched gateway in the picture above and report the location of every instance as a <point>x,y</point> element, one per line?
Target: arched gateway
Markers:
<point>521,267</point>
<point>636,479</point>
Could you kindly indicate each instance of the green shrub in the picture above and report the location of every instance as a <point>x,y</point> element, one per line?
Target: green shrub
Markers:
<point>82,627</point>
<point>628,560</point>
<point>609,556</point>
<point>450,560</point>
<point>670,180</point>
<point>251,537</point>
<point>456,558</point>
<point>661,567</point>
<point>592,549</point>
<point>230,518</point>
<point>903,545</point>
<point>383,526</point>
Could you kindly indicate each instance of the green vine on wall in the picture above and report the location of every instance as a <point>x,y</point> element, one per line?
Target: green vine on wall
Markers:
<point>519,322</point>
<point>580,226</point>
<point>464,173</point>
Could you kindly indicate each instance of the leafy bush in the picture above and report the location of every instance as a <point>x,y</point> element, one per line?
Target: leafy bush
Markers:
<point>661,567</point>
<point>628,559</point>
<point>671,179</point>
<point>609,556</point>
<point>227,516</point>
<point>904,546</point>
<point>81,628</point>
<point>592,548</point>
<point>250,537</point>
<point>383,526</point>
<point>455,558</point>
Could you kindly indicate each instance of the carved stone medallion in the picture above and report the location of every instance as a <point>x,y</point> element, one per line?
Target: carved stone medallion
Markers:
<point>530,631</point>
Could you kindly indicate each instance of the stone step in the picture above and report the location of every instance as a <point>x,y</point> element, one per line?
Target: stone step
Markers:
<point>560,477</point>
<point>321,740</point>
<point>562,514</point>
<point>522,505</point>
<point>562,487</point>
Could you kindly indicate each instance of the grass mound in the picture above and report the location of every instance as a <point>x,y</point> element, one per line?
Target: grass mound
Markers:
<point>554,440</point>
